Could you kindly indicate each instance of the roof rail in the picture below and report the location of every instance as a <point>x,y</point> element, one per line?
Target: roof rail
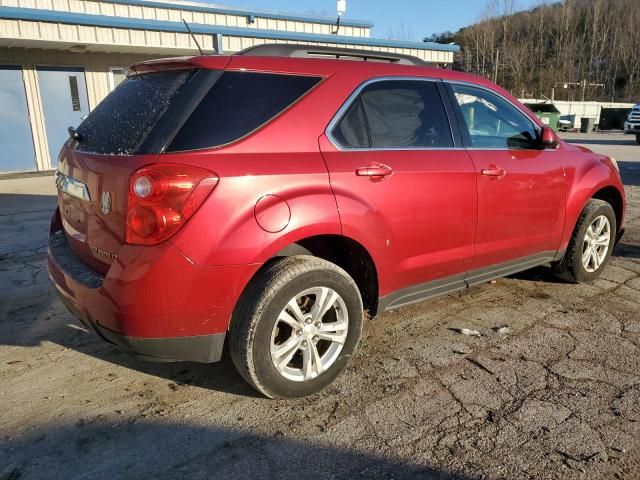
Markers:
<point>313,51</point>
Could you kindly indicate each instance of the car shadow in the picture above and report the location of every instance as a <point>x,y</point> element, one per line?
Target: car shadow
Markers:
<point>44,318</point>
<point>108,448</point>
<point>24,223</point>
<point>545,274</point>
<point>537,274</point>
<point>19,203</point>
<point>626,250</point>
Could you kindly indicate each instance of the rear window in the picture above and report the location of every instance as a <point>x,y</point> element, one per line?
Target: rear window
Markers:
<point>121,123</point>
<point>237,104</point>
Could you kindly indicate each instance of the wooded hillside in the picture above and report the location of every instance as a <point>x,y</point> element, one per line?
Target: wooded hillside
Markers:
<point>584,48</point>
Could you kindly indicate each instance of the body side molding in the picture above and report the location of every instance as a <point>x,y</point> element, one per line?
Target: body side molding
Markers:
<point>443,286</point>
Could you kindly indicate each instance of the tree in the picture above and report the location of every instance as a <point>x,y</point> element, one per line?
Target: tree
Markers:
<point>588,45</point>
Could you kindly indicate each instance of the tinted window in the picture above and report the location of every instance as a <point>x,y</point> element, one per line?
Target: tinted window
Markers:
<point>405,114</point>
<point>395,114</point>
<point>126,117</point>
<point>237,104</point>
<point>351,131</point>
<point>492,121</point>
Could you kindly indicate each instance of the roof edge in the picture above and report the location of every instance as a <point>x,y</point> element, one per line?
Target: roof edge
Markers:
<point>210,8</point>
<point>57,16</point>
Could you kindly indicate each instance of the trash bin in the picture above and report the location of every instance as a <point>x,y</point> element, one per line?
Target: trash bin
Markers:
<point>613,118</point>
<point>547,112</point>
<point>586,124</point>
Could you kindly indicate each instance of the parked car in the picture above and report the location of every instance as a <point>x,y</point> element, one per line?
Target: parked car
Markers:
<point>632,125</point>
<point>266,200</point>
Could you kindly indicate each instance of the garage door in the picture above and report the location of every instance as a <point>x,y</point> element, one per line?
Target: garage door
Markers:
<point>15,131</point>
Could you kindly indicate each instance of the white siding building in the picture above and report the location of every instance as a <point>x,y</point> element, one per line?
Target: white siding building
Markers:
<point>60,58</point>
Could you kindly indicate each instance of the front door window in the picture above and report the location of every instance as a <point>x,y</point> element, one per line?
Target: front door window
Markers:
<point>493,122</point>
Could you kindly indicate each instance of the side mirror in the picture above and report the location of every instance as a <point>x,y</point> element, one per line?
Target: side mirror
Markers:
<point>549,139</point>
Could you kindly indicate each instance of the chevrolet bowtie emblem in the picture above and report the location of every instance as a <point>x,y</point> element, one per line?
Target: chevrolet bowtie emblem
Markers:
<point>106,202</point>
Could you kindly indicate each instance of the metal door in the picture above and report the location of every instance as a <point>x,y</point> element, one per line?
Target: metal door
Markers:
<point>15,132</point>
<point>63,92</point>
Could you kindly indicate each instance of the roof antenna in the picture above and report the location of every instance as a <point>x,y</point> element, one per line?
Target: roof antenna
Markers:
<point>193,36</point>
<point>341,7</point>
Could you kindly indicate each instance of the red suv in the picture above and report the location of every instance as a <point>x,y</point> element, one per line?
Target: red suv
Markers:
<point>268,199</point>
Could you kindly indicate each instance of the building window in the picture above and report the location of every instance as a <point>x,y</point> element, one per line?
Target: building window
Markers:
<point>116,77</point>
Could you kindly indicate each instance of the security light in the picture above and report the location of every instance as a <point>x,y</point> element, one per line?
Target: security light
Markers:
<point>341,6</point>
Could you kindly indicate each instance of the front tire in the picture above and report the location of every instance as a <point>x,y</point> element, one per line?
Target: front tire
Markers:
<point>591,244</point>
<point>296,327</point>
<point>638,139</point>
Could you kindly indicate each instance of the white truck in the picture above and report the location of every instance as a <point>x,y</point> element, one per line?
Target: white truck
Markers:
<point>632,125</point>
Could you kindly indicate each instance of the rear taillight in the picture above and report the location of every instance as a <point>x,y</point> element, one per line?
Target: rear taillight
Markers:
<point>162,198</point>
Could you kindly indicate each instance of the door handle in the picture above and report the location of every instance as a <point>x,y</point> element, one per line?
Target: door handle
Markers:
<point>374,171</point>
<point>493,172</point>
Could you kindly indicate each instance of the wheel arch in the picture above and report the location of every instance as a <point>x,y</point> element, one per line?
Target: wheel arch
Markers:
<point>605,190</point>
<point>345,252</point>
<point>613,197</point>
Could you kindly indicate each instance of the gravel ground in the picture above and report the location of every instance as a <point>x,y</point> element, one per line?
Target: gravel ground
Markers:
<point>558,396</point>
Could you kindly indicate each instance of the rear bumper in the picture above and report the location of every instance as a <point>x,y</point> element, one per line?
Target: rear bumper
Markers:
<point>200,348</point>
<point>153,301</point>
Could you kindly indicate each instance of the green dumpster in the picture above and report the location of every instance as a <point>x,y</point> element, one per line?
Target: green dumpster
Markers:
<point>547,112</point>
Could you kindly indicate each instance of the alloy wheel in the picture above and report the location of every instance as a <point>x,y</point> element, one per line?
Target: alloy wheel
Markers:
<point>309,334</point>
<point>596,243</point>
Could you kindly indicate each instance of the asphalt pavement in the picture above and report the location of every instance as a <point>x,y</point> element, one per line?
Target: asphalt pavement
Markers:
<point>551,388</point>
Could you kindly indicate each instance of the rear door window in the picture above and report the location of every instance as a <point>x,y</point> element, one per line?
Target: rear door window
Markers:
<point>121,123</point>
<point>397,114</point>
<point>237,104</point>
<point>352,131</point>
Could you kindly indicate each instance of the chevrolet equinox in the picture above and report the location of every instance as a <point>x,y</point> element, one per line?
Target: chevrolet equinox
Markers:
<point>267,200</point>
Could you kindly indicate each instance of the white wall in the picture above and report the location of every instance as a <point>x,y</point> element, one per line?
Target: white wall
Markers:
<point>581,109</point>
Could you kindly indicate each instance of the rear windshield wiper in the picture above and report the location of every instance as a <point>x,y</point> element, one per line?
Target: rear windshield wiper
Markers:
<point>73,133</point>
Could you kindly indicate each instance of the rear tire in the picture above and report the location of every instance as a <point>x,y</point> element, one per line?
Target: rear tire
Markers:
<point>591,244</point>
<point>638,139</point>
<point>296,327</point>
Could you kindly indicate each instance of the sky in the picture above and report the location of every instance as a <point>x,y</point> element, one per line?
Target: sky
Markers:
<point>403,19</point>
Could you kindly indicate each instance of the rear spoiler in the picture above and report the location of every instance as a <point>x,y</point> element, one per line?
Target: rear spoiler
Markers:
<point>218,62</point>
